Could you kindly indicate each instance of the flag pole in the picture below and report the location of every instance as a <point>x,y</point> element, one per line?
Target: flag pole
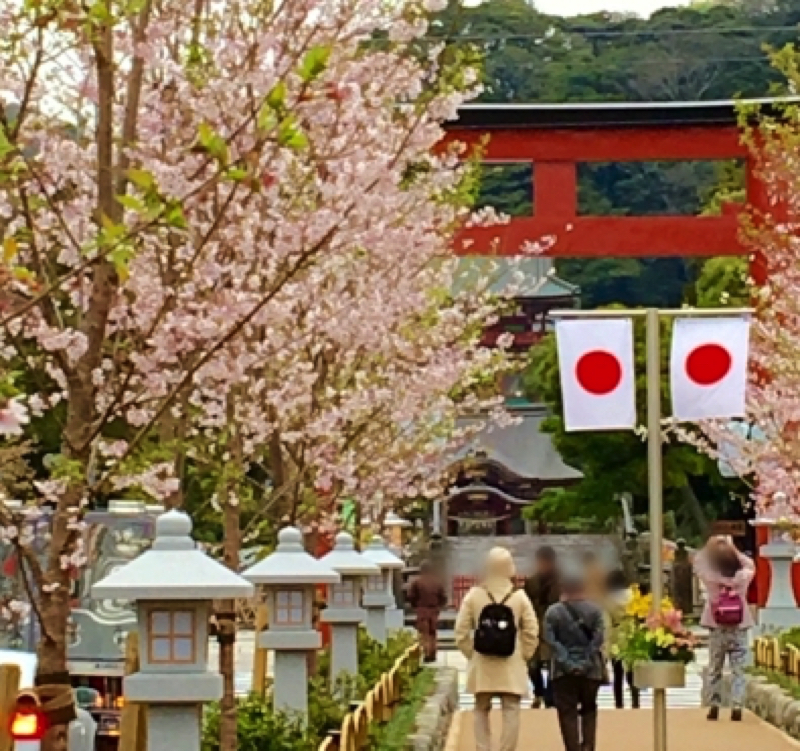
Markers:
<point>652,318</point>
<point>656,505</point>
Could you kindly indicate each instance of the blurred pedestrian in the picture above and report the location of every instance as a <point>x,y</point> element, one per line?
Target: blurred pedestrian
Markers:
<point>427,596</point>
<point>618,596</point>
<point>594,577</point>
<point>726,574</point>
<point>543,590</point>
<point>575,631</point>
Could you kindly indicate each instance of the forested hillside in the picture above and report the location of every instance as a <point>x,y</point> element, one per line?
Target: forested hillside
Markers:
<point>709,51</point>
<point>705,51</point>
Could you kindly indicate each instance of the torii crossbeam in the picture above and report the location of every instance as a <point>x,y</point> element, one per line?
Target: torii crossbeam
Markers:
<point>556,138</point>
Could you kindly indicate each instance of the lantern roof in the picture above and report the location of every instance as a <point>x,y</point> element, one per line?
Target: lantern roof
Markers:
<point>377,552</point>
<point>291,564</point>
<point>345,559</point>
<point>173,569</point>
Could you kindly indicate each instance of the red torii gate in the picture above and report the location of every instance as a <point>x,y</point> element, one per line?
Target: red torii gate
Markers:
<point>554,139</point>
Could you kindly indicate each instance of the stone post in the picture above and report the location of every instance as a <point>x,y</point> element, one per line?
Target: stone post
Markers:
<point>289,577</point>
<point>343,611</point>
<point>173,585</point>
<point>781,609</point>
<point>379,595</point>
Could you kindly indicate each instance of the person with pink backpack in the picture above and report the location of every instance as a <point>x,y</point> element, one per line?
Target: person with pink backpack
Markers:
<point>726,574</point>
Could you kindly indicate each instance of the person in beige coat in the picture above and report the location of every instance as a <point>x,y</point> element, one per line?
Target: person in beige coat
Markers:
<point>502,677</point>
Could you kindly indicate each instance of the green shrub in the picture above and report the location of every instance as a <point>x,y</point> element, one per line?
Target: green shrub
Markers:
<point>374,658</point>
<point>393,736</point>
<point>790,637</point>
<point>259,728</point>
<point>262,729</point>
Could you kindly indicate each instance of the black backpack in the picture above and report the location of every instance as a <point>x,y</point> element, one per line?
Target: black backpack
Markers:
<point>581,660</point>
<point>496,633</point>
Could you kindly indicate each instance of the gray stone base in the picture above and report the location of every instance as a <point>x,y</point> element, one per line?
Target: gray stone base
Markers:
<point>436,715</point>
<point>770,702</point>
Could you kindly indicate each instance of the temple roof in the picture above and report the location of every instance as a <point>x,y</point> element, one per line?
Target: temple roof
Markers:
<point>522,448</point>
<point>539,277</point>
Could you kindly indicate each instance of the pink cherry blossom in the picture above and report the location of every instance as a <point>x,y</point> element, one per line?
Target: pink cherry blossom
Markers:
<point>13,417</point>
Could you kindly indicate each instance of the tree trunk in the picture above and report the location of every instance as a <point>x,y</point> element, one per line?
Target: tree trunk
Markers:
<point>226,620</point>
<point>52,675</point>
<point>226,614</point>
<point>694,508</point>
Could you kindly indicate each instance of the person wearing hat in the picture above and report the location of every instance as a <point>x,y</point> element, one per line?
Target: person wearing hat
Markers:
<point>497,631</point>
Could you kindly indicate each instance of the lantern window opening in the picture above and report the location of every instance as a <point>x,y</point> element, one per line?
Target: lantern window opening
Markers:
<point>376,583</point>
<point>343,593</point>
<point>172,638</point>
<point>290,608</point>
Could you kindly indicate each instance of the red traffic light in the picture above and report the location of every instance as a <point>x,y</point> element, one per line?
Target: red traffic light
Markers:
<point>28,722</point>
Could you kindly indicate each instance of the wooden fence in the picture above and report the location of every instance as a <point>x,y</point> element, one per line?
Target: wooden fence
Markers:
<point>379,705</point>
<point>770,654</point>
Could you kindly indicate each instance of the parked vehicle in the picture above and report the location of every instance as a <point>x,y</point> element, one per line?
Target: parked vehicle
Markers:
<point>27,726</point>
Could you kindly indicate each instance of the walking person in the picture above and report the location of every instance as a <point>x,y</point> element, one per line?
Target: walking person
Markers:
<point>726,575</point>
<point>594,577</point>
<point>427,596</point>
<point>497,631</point>
<point>543,590</point>
<point>575,631</point>
<point>618,596</point>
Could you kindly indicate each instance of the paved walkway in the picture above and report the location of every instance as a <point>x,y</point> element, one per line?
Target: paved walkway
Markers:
<point>684,698</point>
<point>687,729</point>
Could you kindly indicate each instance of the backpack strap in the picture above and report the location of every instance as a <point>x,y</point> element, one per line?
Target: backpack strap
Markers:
<point>587,632</point>
<point>503,601</point>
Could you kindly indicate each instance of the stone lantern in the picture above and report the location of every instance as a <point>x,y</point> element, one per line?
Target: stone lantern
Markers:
<point>344,612</point>
<point>289,577</point>
<point>379,593</point>
<point>173,585</point>
<point>395,525</point>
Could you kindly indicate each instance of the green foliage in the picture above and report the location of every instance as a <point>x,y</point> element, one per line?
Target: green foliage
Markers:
<point>259,728</point>
<point>262,729</point>
<point>642,645</point>
<point>374,658</point>
<point>708,51</point>
<point>790,637</point>
<point>393,736</point>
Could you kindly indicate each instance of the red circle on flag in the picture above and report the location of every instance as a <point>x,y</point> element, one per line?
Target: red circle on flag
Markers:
<point>708,364</point>
<point>598,372</point>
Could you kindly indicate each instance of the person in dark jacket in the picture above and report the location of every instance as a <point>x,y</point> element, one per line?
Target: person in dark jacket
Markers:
<point>543,590</point>
<point>575,631</point>
<point>618,596</point>
<point>427,596</point>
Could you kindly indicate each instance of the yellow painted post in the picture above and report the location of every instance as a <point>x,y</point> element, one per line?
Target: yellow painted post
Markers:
<point>133,722</point>
<point>260,655</point>
<point>9,688</point>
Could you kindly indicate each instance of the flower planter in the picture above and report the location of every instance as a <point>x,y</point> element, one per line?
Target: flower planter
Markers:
<point>659,675</point>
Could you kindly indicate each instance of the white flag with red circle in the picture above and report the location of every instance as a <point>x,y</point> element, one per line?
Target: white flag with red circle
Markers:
<point>708,367</point>
<point>598,384</point>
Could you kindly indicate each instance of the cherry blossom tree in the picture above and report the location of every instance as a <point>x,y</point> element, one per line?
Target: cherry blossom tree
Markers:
<point>226,238</point>
<point>763,449</point>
